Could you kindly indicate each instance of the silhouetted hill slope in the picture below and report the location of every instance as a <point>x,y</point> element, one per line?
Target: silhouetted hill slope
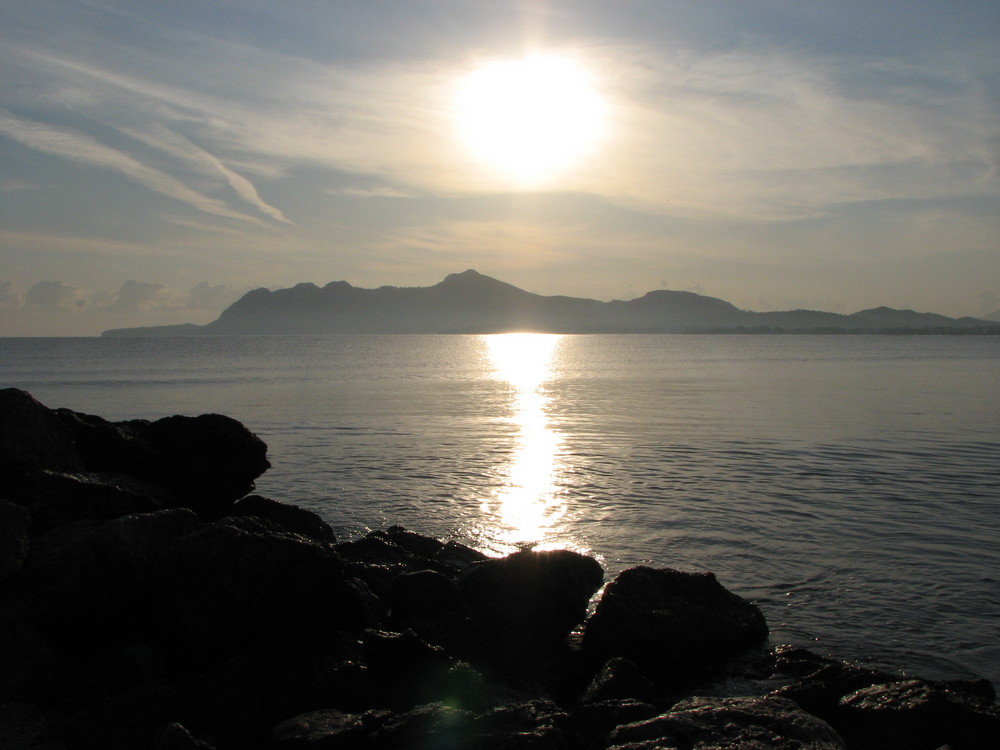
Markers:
<point>470,302</point>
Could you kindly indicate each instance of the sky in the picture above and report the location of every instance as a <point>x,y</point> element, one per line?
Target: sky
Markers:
<point>158,160</point>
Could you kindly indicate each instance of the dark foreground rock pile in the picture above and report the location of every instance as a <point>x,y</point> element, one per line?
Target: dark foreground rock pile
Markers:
<point>148,601</point>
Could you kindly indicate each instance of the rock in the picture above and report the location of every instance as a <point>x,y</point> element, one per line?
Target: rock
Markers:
<point>917,714</point>
<point>174,736</point>
<point>29,662</point>
<point>14,525</point>
<point>209,461</point>
<point>458,557</point>
<point>745,723</point>
<point>220,590</point>
<point>326,729</point>
<point>88,583</point>
<point>678,626</point>
<point>32,437</point>
<point>528,602</point>
<point>56,498</point>
<point>533,724</point>
<point>291,518</point>
<point>418,544</point>
<point>211,457</point>
<point>618,679</point>
<point>593,722</point>
<point>424,595</point>
<point>430,727</point>
<point>378,561</point>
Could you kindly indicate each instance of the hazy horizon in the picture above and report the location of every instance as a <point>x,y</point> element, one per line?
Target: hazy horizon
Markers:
<point>160,160</point>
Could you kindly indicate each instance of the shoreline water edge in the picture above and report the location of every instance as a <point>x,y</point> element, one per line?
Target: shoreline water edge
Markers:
<point>149,600</point>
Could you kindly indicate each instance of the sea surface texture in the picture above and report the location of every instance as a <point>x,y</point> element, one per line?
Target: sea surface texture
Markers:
<point>848,484</point>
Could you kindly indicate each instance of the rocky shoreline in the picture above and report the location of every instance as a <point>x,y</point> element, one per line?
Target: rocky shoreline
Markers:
<point>148,600</point>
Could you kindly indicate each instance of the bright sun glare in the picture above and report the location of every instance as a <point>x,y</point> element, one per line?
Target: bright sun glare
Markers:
<point>530,119</point>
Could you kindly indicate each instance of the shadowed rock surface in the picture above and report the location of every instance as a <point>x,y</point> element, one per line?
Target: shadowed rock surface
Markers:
<point>147,602</point>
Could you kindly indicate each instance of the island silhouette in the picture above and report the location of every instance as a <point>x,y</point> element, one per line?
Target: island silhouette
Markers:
<point>470,302</point>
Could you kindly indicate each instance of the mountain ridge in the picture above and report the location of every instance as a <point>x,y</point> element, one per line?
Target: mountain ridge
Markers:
<point>471,302</point>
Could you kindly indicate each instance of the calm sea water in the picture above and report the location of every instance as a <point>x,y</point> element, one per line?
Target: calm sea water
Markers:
<point>848,484</point>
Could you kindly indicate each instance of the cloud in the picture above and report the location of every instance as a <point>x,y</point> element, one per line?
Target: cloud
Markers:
<point>53,295</point>
<point>134,296</point>
<point>11,297</point>
<point>163,139</point>
<point>83,149</point>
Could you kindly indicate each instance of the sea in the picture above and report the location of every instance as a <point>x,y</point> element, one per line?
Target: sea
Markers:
<point>849,485</point>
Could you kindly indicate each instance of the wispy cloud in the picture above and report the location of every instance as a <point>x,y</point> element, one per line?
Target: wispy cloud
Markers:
<point>84,149</point>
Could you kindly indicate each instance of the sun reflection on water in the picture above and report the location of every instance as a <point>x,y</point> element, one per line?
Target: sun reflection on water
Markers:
<point>528,509</point>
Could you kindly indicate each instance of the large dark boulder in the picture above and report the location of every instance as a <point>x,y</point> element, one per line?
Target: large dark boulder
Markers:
<point>528,602</point>
<point>223,589</point>
<point>675,625</point>
<point>745,723</point>
<point>209,461</point>
<point>32,437</point>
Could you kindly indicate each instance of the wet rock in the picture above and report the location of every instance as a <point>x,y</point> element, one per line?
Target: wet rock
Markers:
<point>528,602</point>
<point>678,626</point>
<point>618,679</point>
<point>57,498</point>
<point>14,525</point>
<point>917,715</point>
<point>746,723</point>
<point>221,589</point>
<point>32,438</point>
<point>290,518</point>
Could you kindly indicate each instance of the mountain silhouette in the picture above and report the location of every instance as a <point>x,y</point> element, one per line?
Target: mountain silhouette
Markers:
<point>470,302</point>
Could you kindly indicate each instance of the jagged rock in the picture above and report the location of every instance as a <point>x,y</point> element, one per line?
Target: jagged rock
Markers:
<point>676,625</point>
<point>291,518</point>
<point>14,525</point>
<point>209,461</point>
<point>56,498</point>
<point>222,589</point>
<point>528,602</point>
<point>32,437</point>
<point>618,679</point>
<point>88,582</point>
<point>745,723</point>
<point>918,715</point>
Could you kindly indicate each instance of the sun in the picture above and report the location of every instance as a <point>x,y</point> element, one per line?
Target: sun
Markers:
<point>530,119</point>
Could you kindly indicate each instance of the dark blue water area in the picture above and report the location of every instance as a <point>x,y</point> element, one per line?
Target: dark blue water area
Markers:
<point>848,484</point>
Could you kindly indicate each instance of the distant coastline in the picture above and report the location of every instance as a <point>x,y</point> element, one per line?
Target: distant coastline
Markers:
<point>471,303</point>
